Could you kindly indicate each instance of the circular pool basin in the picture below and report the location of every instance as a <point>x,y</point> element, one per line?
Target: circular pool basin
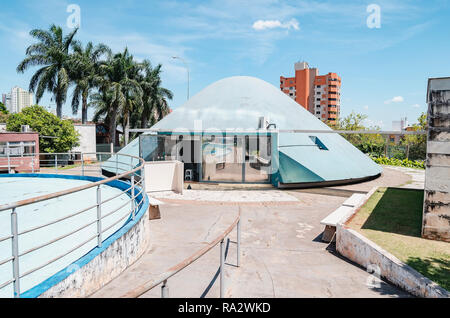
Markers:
<point>14,189</point>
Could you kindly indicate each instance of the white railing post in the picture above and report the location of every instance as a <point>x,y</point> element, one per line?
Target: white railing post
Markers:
<point>99,216</point>
<point>164,290</point>
<point>56,162</point>
<point>15,252</point>
<point>132,197</point>
<point>238,229</point>
<point>222,263</point>
<point>99,160</point>
<point>143,180</point>
<point>9,160</point>
<point>82,164</point>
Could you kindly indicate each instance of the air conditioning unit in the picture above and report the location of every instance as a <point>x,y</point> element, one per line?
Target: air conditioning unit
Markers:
<point>25,128</point>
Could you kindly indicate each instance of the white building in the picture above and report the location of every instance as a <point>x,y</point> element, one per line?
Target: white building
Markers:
<point>399,125</point>
<point>18,99</point>
<point>88,140</point>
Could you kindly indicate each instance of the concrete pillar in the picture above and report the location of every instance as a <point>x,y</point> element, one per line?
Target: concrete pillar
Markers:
<point>436,208</point>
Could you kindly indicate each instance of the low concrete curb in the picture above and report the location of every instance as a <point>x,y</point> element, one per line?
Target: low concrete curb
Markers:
<point>366,253</point>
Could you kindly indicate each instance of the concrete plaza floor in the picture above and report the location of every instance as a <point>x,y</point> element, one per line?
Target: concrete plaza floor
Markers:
<point>282,252</point>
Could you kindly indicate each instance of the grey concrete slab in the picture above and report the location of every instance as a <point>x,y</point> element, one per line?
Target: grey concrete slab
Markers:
<point>282,254</point>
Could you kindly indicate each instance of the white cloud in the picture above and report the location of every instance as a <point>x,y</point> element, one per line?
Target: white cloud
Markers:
<point>416,105</point>
<point>396,99</point>
<point>272,24</point>
<point>366,107</point>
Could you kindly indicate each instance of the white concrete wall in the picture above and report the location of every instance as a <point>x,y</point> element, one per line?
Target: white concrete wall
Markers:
<point>88,142</point>
<point>364,252</point>
<point>164,176</point>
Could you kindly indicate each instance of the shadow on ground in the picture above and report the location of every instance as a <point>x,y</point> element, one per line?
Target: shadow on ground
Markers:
<point>398,211</point>
<point>381,286</point>
<point>435,268</point>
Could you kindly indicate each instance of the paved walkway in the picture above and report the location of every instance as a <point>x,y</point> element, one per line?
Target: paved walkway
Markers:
<point>282,253</point>
<point>417,176</point>
<point>228,196</point>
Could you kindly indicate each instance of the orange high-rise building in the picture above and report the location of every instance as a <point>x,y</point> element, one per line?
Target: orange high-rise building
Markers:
<point>319,94</point>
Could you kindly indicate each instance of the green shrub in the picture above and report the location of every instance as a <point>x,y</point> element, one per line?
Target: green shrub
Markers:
<point>65,137</point>
<point>419,164</point>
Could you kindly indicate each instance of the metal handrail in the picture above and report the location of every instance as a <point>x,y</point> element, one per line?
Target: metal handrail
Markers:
<point>73,190</point>
<point>162,278</point>
<point>136,189</point>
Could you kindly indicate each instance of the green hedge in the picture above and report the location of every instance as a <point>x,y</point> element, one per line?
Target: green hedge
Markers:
<point>420,164</point>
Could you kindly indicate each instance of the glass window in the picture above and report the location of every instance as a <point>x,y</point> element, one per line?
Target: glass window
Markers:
<point>3,149</point>
<point>222,158</point>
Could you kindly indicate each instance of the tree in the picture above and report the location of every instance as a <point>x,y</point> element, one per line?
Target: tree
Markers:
<point>3,117</point>
<point>3,109</point>
<point>417,144</point>
<point>84,69</point>
<point>51,52</point>
<point>373,144</point>
<point>154,100</point>
<point>353,121</point>
<point>119,86</point>
<point>47,125</point>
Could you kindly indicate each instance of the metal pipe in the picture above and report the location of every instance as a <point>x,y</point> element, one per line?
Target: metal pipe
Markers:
<point>132,197</point>
<point>15,252</point>
<point>164,290</point>
<point>145,287</point>
<point>238,252</point>
<point>222,263</point>
<point>69,191</point>
<point>82,164</point>
<point>9,161</point>
<point>264,131</point>
<point>187,69</point>
<point>99,216</point>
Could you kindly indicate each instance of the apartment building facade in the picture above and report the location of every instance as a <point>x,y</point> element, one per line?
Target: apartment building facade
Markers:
<point>17,100</point>
<point>319,94</point>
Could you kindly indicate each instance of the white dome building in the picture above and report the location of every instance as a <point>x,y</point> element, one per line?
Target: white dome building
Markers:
<point>237,130</point>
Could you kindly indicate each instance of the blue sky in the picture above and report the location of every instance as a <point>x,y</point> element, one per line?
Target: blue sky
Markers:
<point>384,70</point>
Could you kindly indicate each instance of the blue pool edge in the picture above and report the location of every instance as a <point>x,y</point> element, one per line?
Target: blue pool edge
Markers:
<point>42,287</point>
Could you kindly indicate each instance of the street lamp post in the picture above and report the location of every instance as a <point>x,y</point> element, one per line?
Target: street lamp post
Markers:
<point>187,68</point>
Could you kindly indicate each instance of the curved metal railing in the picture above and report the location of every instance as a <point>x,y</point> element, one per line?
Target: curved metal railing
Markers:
<point>133,173</point>
<point>163,278</point>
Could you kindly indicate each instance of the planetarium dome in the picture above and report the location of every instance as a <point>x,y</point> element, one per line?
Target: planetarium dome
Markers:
<point>312,157</point>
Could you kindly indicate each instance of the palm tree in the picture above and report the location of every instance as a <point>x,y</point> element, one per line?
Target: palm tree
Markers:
<point>85,65</point>
<point>51,52</point>
<point>155,105</point>
<point>118,80</point>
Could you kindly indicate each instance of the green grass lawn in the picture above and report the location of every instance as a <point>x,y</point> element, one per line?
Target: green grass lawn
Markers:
<point>392,218</point>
